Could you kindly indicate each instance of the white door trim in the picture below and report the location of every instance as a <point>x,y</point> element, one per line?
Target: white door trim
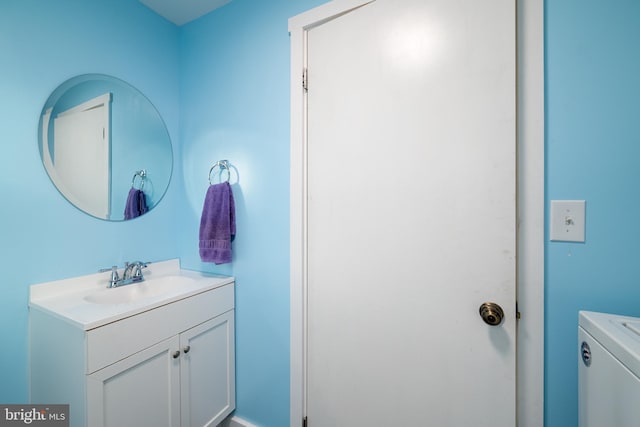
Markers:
<point>298,27</point>
<point>530,292</point>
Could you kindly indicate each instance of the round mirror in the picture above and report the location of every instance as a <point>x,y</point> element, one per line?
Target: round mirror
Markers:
<point>105,147</point>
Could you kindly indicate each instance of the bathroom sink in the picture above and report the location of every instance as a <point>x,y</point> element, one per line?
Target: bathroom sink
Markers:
<point>148,289</point>
<point>87,302</point>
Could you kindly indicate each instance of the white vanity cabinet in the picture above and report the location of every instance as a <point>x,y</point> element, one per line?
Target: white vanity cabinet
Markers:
<point>171,365</point>
<point>185,380</point>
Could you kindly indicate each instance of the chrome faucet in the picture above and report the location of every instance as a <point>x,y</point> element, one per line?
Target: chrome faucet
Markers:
<point>132,273</point>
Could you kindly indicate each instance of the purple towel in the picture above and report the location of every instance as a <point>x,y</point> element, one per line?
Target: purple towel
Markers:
<point>136,204</point>
<point>218,224</point>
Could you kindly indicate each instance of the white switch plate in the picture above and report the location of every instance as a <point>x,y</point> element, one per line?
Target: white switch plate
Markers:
<point>567,220</point>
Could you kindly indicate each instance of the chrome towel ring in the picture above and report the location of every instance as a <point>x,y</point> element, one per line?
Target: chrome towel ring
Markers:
<point>223,165</point>
<point>142,174</point>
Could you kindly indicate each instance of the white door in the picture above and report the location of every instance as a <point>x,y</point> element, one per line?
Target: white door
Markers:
<point>82,155</point>
<point>411,211</point>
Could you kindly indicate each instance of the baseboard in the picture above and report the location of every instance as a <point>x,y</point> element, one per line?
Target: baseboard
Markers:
<point>236,422</point>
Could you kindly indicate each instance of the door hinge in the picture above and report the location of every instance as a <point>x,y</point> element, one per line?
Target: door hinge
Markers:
<point>304,422</point>
<point>305,81</point>
<point>517,312</point>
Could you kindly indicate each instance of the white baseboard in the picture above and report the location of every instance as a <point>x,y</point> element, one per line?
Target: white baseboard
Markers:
<point>236,422</point>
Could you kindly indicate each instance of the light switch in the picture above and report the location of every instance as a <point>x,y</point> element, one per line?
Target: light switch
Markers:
<point>567,222</point>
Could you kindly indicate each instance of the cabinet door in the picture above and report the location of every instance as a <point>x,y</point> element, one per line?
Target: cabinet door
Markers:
<point>141,390</point>
<point>207,371</point>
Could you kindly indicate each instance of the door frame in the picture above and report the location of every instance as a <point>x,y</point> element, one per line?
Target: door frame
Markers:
<point>530,205</point>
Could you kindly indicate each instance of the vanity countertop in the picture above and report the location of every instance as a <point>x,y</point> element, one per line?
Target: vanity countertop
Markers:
<point>86,302</point>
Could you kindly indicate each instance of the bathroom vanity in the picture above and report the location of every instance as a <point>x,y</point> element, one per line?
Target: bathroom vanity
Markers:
<point>160,354</point>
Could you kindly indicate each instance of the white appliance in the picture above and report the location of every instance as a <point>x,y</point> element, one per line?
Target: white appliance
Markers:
<point>609,370</point>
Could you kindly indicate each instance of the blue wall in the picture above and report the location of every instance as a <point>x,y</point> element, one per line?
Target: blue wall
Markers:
<point>42,44</point>
<point>222,85</point>
<point>593,153</point>
<point>235,105</point>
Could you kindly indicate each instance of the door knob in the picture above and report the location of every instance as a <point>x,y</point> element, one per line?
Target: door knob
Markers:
<point>491,313</point>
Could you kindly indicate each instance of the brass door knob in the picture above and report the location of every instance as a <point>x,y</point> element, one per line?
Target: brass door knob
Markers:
<point>491,313</point>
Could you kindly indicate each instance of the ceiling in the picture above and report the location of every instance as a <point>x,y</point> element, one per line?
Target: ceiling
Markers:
<point>182,11</point>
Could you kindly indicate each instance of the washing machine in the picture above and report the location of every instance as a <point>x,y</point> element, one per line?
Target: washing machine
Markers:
<point>609,370</point>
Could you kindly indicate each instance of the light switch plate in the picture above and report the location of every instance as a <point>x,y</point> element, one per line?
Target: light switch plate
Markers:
<point>567,221</point>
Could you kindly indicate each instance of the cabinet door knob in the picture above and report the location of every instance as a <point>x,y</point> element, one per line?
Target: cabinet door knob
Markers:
<point>186,349</point>
<point>176,354</point>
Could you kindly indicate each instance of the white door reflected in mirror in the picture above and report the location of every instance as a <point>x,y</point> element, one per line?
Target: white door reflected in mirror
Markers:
<point>81,148</point>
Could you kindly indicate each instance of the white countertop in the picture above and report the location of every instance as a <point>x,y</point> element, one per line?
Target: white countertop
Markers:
<point>67,299</point>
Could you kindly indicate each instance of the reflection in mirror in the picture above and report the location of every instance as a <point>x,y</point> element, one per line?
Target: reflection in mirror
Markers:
<point>96,133</point>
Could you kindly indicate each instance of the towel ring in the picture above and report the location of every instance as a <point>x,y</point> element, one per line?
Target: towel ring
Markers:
<point>222,164</point>
<point>142,174</point>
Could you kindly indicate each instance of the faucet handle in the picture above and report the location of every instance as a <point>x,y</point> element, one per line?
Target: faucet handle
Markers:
<point>139,266</point>
<point>114,273</point>
<point>113,269</point>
